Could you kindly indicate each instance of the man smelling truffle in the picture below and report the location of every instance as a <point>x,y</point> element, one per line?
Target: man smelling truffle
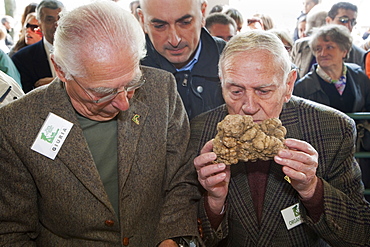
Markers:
<point>241,139</point>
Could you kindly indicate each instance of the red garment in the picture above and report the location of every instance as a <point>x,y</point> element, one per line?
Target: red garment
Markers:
<point>257,174</point>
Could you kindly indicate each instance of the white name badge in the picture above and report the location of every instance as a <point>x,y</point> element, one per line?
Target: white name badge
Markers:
<point>292,216</point>
<point>51,136</point>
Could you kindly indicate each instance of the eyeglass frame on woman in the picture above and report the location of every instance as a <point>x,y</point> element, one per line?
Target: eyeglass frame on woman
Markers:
<point>32,26</point>
<point>111,96</point>
<point>253,20</point>
<point>346,19</point>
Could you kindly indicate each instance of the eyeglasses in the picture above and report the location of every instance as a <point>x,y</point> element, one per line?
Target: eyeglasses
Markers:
<point>254,20</point>
<point>345,20</point>
<point>111,96</point>
<point>32,26</point>
<point>288,48</point>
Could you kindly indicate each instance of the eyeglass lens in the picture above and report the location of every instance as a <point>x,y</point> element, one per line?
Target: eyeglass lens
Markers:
<point>33,27</point>
<point>345,20</point>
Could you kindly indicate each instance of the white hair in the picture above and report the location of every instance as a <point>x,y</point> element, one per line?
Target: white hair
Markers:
<point>96,31</point>
<point>257,40</point>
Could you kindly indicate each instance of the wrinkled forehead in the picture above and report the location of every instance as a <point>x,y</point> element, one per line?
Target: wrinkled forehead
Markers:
<point>254,65</point>
<point>342,12</point>
<point>170,9</point>
<point>48,12</point>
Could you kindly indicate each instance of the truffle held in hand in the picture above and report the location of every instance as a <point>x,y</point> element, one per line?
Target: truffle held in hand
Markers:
<point>241,139</point>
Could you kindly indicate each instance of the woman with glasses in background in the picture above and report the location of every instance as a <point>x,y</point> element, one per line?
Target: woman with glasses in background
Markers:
<point>31,34</point>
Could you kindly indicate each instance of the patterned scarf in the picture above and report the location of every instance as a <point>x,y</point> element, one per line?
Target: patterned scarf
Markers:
<point>339,84</point>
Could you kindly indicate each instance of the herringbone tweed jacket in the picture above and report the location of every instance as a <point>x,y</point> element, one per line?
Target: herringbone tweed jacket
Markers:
<point>63,202</point>
<point>346,219</point>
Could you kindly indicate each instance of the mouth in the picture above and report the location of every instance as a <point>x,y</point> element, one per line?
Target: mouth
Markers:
<point>177,51</point>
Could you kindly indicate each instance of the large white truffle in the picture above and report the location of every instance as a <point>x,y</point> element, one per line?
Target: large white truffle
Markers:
<point>241,139</point>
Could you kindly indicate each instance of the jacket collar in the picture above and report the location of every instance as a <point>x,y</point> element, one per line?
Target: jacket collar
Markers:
<point>207,64</point>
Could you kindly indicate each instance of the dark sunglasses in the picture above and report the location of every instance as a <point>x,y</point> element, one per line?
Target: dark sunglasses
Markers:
<point>346,20</point>
<point>250,21</point>
<point>33,27</point>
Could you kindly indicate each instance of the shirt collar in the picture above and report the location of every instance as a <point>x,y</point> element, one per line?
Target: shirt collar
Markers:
<point>191,64</point>
<point>48,46</point>
<point>327,78</point>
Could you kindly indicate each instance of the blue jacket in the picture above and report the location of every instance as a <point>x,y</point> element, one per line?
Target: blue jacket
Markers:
<point>200,88</point>
<point>33,64</point>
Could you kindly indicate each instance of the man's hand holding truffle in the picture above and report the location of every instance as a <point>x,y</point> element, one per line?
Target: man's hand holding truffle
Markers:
<point>299,163</point>
<point>213,177</point>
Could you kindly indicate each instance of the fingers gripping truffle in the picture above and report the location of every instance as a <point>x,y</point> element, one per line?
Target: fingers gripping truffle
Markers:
<point>239,138</point>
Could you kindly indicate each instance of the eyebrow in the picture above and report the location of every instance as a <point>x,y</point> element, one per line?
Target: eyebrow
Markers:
<point>51,17</point>
<point>155,20</point>
<point>242,86</point>
<point>184,17</point>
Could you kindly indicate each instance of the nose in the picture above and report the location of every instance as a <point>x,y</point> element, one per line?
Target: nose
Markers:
<point>250,104</point>
<point>121,101</point>
<point>349,26</point>
<point>323,52</point>
<point>173,37</point>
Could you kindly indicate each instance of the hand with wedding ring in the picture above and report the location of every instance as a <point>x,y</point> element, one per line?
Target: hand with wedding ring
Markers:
<point>299,163</point>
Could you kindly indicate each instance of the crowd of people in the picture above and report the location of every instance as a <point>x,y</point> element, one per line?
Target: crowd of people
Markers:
<point>108,119</point>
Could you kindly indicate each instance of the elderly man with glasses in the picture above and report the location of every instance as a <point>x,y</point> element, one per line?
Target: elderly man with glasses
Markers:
<point>99,157</point>
<point>310,193</point>
<point>341,13</point>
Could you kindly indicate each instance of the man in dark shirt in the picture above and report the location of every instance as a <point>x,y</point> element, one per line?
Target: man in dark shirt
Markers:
<point>176,42</point>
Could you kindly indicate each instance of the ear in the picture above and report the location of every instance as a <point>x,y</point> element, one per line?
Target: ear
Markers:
<point>328,20</point>
<point>140,13</point>
<point>203,9</point>
<point>58,70</point>
<point>345,54</point>
<point>290,84</point>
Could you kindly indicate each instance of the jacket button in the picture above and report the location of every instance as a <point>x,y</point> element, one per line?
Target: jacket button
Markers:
<point>109,222</point>
<point>126,241</point>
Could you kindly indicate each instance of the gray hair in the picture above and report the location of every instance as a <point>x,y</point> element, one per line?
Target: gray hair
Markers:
<point>336,33</point>
<point>283,35</point>
<point>6,19</point>
<point>50,4</point>
<point>314,19</point>
<point>257,40</point>
<point>219,18</point>
<point>97,30</point>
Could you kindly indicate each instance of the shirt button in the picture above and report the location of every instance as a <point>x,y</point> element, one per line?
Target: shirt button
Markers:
<point>126,241</point>
<point>200,89</point>
<point>109,222</point>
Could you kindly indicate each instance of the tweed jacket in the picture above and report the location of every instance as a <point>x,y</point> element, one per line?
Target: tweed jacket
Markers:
<point>200,88</point>
<point>33,64</point>
<point>346,219</point>
<point>62,202</point>
<point>302,56</point>
<point>309,87</point>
